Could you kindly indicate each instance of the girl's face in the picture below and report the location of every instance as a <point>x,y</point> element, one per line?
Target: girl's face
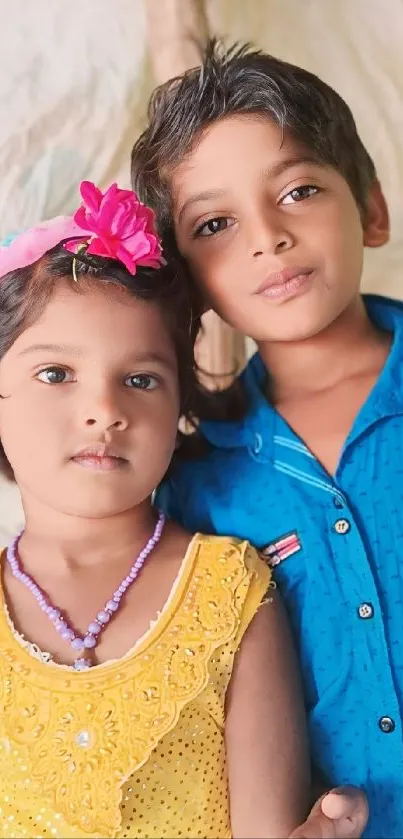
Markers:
<point>91,407</point>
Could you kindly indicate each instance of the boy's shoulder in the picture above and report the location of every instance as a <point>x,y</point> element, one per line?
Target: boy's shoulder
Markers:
<point>384,311</point>
<point>194,487</point>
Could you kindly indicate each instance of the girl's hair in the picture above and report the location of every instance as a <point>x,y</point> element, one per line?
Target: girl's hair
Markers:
<point>25,292</point>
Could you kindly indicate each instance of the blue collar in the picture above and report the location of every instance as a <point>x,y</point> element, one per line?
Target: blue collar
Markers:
<point>256,430</point>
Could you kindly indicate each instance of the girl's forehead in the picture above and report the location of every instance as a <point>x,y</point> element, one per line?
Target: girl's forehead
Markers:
<point>105,320</point>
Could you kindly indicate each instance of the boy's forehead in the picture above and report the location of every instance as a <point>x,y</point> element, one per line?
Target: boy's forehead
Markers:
<point>229,151</point>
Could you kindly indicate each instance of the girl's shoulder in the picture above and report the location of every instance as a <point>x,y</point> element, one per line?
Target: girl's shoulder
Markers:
<point>229,580</point>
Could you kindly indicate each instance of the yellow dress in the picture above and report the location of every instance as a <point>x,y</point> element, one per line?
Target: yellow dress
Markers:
<point>135,747</point>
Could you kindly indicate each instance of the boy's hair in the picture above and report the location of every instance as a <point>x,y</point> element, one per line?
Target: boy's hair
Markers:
<point>25,292</point>
<point>243,80</point>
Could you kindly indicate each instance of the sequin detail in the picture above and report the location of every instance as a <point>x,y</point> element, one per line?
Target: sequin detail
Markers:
<point>136,747</point>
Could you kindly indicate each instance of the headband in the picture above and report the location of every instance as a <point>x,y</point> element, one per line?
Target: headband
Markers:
<point>112,224</point>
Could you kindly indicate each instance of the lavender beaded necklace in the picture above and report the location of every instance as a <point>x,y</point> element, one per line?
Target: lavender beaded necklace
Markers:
<point>91,637</point>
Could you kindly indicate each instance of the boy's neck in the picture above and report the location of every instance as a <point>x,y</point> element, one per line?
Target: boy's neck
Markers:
<point>64,543</point>
<point>320,363</point>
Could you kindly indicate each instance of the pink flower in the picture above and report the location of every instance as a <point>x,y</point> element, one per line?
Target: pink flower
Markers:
<point>120,227</point>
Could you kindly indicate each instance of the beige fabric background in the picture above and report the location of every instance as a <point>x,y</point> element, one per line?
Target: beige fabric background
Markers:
<point>74,80</point>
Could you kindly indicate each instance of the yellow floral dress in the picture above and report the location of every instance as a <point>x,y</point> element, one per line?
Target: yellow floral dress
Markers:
<point>135,747</point>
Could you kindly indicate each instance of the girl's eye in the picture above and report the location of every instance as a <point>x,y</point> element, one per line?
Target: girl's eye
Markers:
<point>299,193</point>
<point>54,376</point>
<point>142,381</point>
<point>212,226</point>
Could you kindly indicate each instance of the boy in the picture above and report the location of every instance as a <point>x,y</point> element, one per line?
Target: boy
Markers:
<point>260,181</point>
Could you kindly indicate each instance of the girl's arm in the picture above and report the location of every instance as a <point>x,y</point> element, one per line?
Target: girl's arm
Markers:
<point>266,742</point>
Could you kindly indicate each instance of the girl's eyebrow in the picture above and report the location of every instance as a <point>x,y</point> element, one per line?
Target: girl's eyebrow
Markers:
<point>57,348</point>
<point>142,357</point>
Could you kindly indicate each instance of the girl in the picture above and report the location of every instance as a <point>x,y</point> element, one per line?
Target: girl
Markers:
<point>148,686</point>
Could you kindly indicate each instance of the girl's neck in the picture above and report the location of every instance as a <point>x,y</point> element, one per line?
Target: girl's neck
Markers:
<point>66,543</point>
<point>319,363</point>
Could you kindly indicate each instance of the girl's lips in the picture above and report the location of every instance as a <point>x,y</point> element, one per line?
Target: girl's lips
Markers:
<point>105,463</point>
<point>99,457</point>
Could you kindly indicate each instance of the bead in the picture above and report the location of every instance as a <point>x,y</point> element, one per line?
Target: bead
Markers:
<point>103,617</point>
<point>82,664</point>
<point>67,634</point>
<point>83,739</point>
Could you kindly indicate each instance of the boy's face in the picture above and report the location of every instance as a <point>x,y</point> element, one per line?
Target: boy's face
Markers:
<point>274,238</point>
<point>90,420</point>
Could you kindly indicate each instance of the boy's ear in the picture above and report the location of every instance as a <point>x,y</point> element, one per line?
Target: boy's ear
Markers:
<point>376,224</point>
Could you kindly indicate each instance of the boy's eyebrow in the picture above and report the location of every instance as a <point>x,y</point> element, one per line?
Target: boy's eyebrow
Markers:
<point>272,172</point>
<point>207,195</point>
<point>282,165</point>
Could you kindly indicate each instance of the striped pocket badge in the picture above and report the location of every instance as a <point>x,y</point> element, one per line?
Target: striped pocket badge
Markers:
<point>286,546</point>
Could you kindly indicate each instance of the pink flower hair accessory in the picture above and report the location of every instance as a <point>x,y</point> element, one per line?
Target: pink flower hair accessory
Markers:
<point>114,224</point>
<point>119,225</point>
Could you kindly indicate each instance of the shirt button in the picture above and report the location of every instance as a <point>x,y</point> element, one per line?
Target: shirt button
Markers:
<point>338,502</point>
<point>257,444</point>
<point>366,610</point>
<point>342,526</point>
<point>387,725</point>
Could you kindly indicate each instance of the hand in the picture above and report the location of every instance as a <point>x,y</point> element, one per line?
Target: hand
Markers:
<point>340,814</point>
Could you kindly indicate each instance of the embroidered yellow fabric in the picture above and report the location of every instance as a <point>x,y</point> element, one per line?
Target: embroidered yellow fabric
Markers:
<point>132,748</point>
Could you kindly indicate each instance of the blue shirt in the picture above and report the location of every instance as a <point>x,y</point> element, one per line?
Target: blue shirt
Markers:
<point>337,546</point>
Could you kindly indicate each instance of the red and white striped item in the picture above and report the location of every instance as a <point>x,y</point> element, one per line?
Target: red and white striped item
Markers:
<point>284,547</point>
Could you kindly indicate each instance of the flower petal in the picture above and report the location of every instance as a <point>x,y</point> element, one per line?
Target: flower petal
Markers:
<point>101,247</point>
<point>127,259</point>
<point>91,195</point>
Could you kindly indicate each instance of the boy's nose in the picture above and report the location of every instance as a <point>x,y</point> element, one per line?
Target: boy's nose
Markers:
<point>272,241</point>
<point>268,233</point>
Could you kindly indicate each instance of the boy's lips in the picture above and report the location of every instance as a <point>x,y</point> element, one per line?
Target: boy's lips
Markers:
<point>286,283</point>
<point>100,457</point>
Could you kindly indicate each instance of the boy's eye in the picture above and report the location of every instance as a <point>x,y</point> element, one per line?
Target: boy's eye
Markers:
<point>299,193</point>
<point>54,375</point>
<point>142,381</point>
<point>212,226</point>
